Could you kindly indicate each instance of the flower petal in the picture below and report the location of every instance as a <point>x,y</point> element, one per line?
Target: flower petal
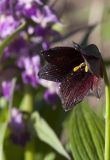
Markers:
<point>63,56</point>
<point>74,88</point>
<point>95,66</point>
<point>92,50</point>
<point>53,72</point>
<point>93,58</point>
<point>97,87</point>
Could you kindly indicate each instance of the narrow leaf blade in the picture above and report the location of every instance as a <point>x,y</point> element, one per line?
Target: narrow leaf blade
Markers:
<point>47,135</point>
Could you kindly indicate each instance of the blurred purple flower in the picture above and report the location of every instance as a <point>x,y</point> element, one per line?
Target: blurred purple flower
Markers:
<point>40,2</point>
<point>2,6</point>
<point>27,8</point>
<point>45,16</point>
<point>45,31</point>
<point>29,12</point>
<point>17,49</point>
<point>20,9</point>
<point>7,26</point>
<point>22,52</point>
<point>51,93</point>
<point>31,69</point>
<point>50,97</point>
<point>16,120</point>
<point>19,46</point>
<point>19,130</point>
<point>45,45</point>
<point>45,34</point>
<point>28,3</point>
<point>6,89</point>
<point>6,6</point>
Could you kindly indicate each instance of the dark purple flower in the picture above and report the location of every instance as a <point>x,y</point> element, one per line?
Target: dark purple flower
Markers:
<point>19,130</point>
<point>6,89</point>
<point>50,97</point>
<point>77,70</point>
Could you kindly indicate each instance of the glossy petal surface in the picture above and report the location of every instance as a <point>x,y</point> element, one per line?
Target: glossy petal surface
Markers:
<point>97,86</point>
<point>53,72</point>
<point>74,88</point>
<point>62,56</point>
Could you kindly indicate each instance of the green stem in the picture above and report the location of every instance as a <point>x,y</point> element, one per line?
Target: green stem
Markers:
<point>29,151</point>
<point>11,96</point>
<point>27,106</point>
<point>107,117</point>
<point>27,101</point>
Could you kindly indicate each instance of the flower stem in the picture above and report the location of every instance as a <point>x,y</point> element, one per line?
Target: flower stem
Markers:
<point>27,101</point>
<point>107,117</point>
<point>27,106</point>
<point>29,151</point>
<point>11,96</point>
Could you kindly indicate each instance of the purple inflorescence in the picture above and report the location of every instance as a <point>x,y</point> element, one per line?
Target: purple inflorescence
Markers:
<point>24,51</point>
<point>20,58</point>
<point>31,68</point>
<point>19,130</point>
<point>6,89</point>
<point>51,97</point>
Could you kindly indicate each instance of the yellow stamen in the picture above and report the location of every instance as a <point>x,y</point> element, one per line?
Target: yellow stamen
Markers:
<point>78,67</point>
<point>86,68</point>
<point>75,69</point>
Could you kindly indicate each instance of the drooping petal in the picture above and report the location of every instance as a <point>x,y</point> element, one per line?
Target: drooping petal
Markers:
<point>95,66</point>
<point>74,88</point>
<point>53,72</point>
<point>92,50</point>
<point>97,87</point>
<point>93,58</point>
<point>62,56</point>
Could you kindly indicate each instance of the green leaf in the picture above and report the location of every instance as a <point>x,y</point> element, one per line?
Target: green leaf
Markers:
<point>3,128</point>
<point>10,38</point>
<point>29,153</point>
<point>86,134</point>
<point>50,156</point>
<point>47,135</point>
<point>12,151</point>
